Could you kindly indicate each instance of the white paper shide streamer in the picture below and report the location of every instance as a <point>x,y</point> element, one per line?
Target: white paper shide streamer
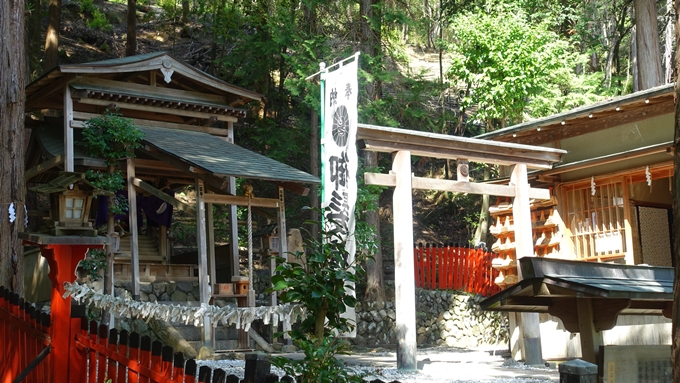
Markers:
<point>242,317</point>
<point>592,185</point>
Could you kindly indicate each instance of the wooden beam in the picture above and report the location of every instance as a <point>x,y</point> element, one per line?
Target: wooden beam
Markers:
<point>157,109</point>
<point>206,333</point>
<point>493,157</point>
<point>147,187</point>
<point>152,91</point>
<point>241,200</point>
<point>43,167</point>
<point>212,182</point>
<point>583,125</point>
<point>454,186</point>
<point>611,158</point>
<point>521,214</point>
<point>132,217</point>
<point>404,288</point>
<point>296,188</point>
<point>235,258</point>
<point>33,102</point>
<point>68,131</point>
<point>159,124</point>
<point>591,339</point>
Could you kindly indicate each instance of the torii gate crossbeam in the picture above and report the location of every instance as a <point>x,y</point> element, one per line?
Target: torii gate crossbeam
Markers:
<point>401,144</point>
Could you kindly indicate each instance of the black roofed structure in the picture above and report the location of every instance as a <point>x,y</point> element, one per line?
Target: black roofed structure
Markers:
<point>587,297</point>
<point>187,118</point>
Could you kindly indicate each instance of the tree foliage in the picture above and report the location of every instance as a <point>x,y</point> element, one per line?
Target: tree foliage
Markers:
<point>503,61</point>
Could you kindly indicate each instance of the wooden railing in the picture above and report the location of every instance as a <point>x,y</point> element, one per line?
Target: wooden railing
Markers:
<point>450,267</point>
<point>24,341</point>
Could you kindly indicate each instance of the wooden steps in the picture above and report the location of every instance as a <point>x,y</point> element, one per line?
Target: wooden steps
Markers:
<point>148,250</point>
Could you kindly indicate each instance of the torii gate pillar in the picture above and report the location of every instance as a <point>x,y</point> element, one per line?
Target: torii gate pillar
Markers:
<point>404,283</point>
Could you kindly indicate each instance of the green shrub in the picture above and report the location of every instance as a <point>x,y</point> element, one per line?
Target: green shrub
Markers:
<point>319,281</point>
<point>99,22</point>
<point>87,6</point>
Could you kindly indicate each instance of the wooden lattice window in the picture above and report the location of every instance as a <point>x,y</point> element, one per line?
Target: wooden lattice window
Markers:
<point>597,220</point>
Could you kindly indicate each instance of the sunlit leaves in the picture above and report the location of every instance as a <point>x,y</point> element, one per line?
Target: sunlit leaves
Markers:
<point>505,61</point>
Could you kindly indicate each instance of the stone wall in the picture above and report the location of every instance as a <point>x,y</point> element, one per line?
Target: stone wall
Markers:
<point>449,318</point>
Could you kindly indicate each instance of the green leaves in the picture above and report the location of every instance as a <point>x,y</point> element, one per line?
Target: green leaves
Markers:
<point>111,137</point>
<point>505,61</point>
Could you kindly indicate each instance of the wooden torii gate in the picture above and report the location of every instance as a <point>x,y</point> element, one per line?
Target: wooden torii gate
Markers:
<point>404,143</point>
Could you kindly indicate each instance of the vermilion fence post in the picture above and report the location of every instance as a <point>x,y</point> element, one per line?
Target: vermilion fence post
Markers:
<point>13,357</point>
<point>441,278</point>
<point>190,371</point>
<point>112,369</point>
<point>156,360</point>
<point>101,357</point>
<point>449,267</point>
<point>92,354</point>
<point>426,264</point>
<point>133,376</point>
<point>122,350</point>
<point>167,355</point>
<point>145,357</point>
<point>62,259</point>
<point>418,256</point>
<point>433,266</point>
<point>3,330</point>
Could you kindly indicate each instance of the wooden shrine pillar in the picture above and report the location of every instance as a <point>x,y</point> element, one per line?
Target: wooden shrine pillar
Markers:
<point>283,239</point>
<point>68,129</point>
<point>204,289</point>
<point>134,230</point>
<point>530,331</point>
<point>62,255</point>
<point>233,218</point>
<point>404,284</point>
<point>591,339</point>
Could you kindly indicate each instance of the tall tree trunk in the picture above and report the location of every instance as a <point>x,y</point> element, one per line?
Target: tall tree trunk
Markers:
<point>33,40</point>
<point>371,41</point>
<point>51,58</point>
<point>374,268</point>
<point>634,63</point>
<point>310,17</point>
<point>131,42</point>
<point>314,168</point>
<point>647,38</point>
<point>185,11</point>
<point>12,103</point>
<point>668,43</point>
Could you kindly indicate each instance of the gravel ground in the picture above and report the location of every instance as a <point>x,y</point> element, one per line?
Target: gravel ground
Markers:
<point>440,365</point>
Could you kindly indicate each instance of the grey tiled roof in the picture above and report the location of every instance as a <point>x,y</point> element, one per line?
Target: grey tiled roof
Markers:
<point>222,158</point>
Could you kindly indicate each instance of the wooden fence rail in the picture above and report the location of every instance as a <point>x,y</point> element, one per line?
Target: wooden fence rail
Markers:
<point>24,340</point>
<point>450,267</point>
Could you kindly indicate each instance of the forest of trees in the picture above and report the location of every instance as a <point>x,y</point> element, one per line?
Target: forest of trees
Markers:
<point>489,64</point>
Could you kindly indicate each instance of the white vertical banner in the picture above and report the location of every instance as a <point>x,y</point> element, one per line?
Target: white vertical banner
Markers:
<point>339,160</point>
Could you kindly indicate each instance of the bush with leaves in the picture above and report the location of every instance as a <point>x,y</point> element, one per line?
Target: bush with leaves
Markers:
<point>112,138</point>
<point>322,281</point>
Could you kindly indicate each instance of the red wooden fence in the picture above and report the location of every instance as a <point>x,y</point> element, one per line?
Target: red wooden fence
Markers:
<point>449,267</point>
<point>24,340</point>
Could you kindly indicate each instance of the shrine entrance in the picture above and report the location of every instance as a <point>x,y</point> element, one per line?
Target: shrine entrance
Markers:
<point>402,144</point>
